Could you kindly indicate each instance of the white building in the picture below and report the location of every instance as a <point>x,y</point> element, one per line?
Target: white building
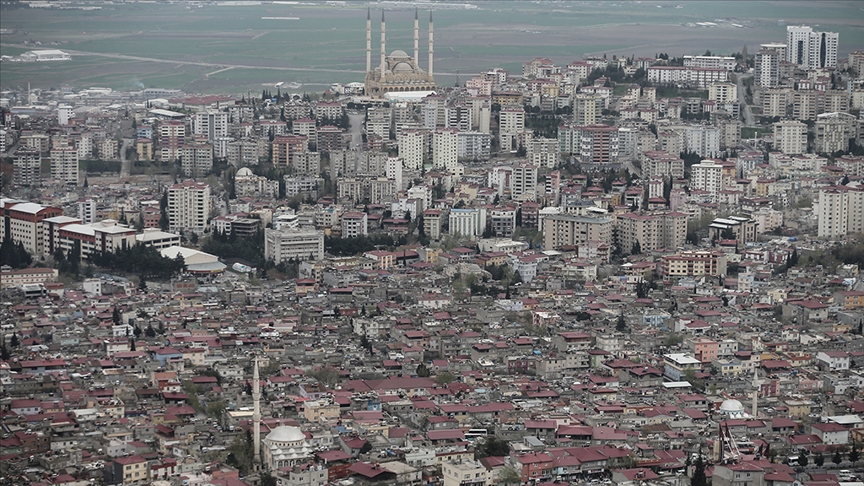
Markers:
<point>445,151</point>
<point>467,222</point>
<point>87,211</point>
<point>811,50</point>
<point>355,224</point>
<point>293,244</point>
<point>512,121</point>
<point>64,114</point>
<point>840,211</point>
<point>702,140</point>
<point>523,183</point>
<point>413,148</point>
<point>157,238</point>
<point>720,62</point>
<point>707,176</point>
<point>188,206</point>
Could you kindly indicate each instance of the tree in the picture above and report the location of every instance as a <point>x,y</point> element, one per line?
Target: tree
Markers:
<point>14,341</point>
<point>150,332</point>
<point>637,248</point>
<point>423,371</point>
<point>492,446</point>
<point>116,317</point>
<point>509,475</point>
<point>163,212</point>
<point>793,258</point>
<point>267,479</point>
<point>444,378</point>
<point>621,324</point>
<point>699,478</point>
<point>131,345</point>
<point>326,376</point>
<point>803,460</point>
<point>366,447</point>
<point>819,460</point>
<point>838,458</point>
<point>854,454</point>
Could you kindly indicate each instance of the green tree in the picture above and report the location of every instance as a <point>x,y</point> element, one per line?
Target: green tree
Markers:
<point>854,454</point>
<point>838,458</point>
<point>819,460</point>
<point>621,324</point>
<point>325,375</point>
<point>150,332</point>
<point>267,479</point>
<point>803,460</point>
<point>14,342</point>
<point>116,317</point>
<point>423,371</point>
<point>492,446</point>
<point>509,476</point>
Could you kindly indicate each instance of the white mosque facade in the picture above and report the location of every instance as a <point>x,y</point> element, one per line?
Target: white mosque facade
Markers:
<point>285,446</point>
<point>398,72</point>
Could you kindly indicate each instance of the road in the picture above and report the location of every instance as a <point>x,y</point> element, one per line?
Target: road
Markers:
<point>749,121</point>
<point>356,129</point>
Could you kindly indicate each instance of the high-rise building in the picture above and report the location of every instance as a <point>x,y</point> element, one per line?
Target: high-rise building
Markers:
<point>445,151</point>
<point>523,183</point>
<point>212,124</point>
<point>196,159</point>
<point>354,224</point>
<point>840,211</point>
<point>768,59</point>
<point>27,168</point>
<point>702,140</point>
<point>413,148</point>
<point>599,145</point>
<point>833,131</point>
<point>188,206</point>
<point>707,176</point>
<point>64,165</point>
<point>87,211</point>
<point>512,121</point>
<point>172,136</point>
<point>587,108</point>
<point>723,92</point>
<point>474,146</point>
<point>542,152</point>
<point>811,50</point>
<point>64,114</point>
<point>790,137</point>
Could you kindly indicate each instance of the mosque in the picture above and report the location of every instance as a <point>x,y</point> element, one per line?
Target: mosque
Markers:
<point>398,72</point>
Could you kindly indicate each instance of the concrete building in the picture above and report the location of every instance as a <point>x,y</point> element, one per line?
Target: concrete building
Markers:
<point>27,168</point>
<point>172,136</point>
<point>211,124</point>
<point>467,222</point>
<point>723,92</point>
<point>64,165</point>
<point>354,224</point>
<point>694,264</point>
<point>512,122</point>
<point>445,152</point>
<point>196,159</point>
<point>413,148</point>
<point>707,176</point>
<point>833,132</point>
<point>768,59</point>
<point>790,137</point>
<point>188,206</point>
<point>293,244</point>
<point>809,49</point>
<point>24,222</point>
<point>561,230</point>
<point>599,145</point>
<point>840,211</point>
<point>523,183</point>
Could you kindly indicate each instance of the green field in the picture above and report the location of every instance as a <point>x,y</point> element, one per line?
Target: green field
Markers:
<point>186,47</point>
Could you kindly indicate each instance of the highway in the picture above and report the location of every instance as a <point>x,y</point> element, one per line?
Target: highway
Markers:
<point>749,121</point>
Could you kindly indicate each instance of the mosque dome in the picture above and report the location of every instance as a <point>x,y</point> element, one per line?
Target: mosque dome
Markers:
<point>402,67</point>
<point>732,406</point>
<point>286,433</point>
<point>244,172</point>
<point>399,54</point>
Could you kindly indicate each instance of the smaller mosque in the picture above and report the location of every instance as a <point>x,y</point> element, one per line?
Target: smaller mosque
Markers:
<point>733,409</point>
<point>285,446</point>
<point>398,72</point>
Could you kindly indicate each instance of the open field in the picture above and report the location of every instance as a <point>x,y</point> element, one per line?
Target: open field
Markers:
<point>172,46</point>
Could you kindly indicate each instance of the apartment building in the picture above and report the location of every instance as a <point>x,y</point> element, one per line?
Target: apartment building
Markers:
<point>694,264</point>
<point>188,206</point>
<point>690,76</point>
<point>833,131</point>
<point>445,152</point>
<point>717,62</point>
<point>284,148</point>
<point>809,49</point>
<point>413,147</point>
<point>790,137</point>
<point>523,182</point>
<point>707,176</point>
<point>560,230</point>
<point>599,145</point>
<point>27,168</point>
<point>723,92</point>
<point>355,224</point>
<point>767,68</point>
<point>840,211</point>
<point>474,146</point>
<point>432,224</point>
<point>542,152</point>
<point>196,159</point>
<point>512,122</point>
<point>651,231</point>
<point>657,163</point>
<point>172,136</point>
<point>64,165</point>
<point>211,124</point>
<point>293,244</point>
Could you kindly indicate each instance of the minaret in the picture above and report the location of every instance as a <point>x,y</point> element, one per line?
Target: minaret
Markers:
<point>431,43</point>
<point>368,40</point>
<point>416,40</point>
<point>755,409</point>
<point>383,48</point>
<point>256,413</point>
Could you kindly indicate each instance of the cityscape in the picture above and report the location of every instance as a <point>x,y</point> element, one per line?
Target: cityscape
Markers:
<point>637,267</point>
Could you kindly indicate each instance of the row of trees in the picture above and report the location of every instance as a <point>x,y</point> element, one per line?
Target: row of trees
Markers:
<point>14,254</point>
<point>141,260</point>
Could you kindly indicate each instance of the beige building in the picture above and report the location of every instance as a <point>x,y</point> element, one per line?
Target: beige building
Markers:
<point>64,165</point>
<point>466,473</point>
<point>652,231</point>
<point>840,211</point>
<point>561,230</point>
<point>723,92</point>
<point>188,206</point>
<point>27,168</point>
<point>790,137</point>
<point>512,122</point>
<point>707,176</point>
<point>833,131</point>
<point>694,264</point>
<point>323,410</point>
